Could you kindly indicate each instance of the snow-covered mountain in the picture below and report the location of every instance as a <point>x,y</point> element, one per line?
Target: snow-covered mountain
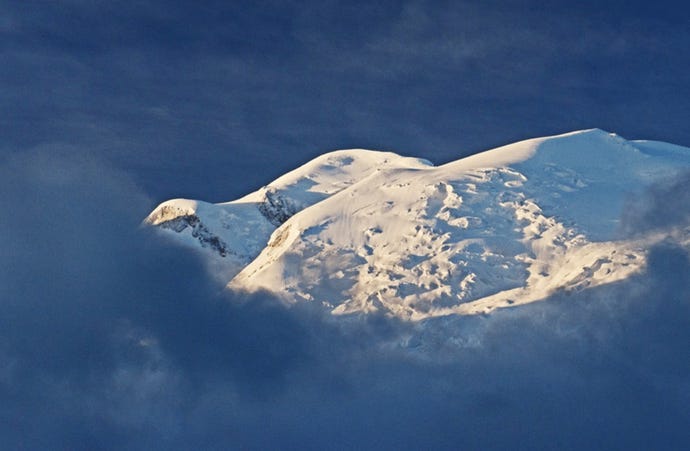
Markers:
<point>361,231</point>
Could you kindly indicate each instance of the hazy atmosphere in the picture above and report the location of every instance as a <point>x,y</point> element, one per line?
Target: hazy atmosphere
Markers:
<point>111,338</point>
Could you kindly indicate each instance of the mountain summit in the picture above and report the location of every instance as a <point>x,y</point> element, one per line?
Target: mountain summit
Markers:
<point>361,231</point>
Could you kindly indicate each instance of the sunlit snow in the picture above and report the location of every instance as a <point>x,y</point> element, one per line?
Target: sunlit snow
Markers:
<point>360,231</point>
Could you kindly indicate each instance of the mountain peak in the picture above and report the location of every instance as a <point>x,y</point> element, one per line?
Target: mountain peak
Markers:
<point>360,231</point>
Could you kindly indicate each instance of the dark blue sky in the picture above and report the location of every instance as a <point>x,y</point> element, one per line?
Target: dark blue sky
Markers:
<point>110,339</point>
<point>213,99</point>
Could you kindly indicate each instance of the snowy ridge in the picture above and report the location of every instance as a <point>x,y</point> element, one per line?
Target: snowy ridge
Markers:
<point>361,231</point>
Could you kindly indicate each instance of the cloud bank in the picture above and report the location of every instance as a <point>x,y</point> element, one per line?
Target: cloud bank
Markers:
<point>110,339</point>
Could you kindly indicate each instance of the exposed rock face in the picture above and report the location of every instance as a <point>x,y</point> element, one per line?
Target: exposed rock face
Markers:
<point>198,231</point>
<point>278,208</point>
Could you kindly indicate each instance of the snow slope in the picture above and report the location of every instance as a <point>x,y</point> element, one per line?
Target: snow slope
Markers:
<point>361,231</point>
<point>232,234</point>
